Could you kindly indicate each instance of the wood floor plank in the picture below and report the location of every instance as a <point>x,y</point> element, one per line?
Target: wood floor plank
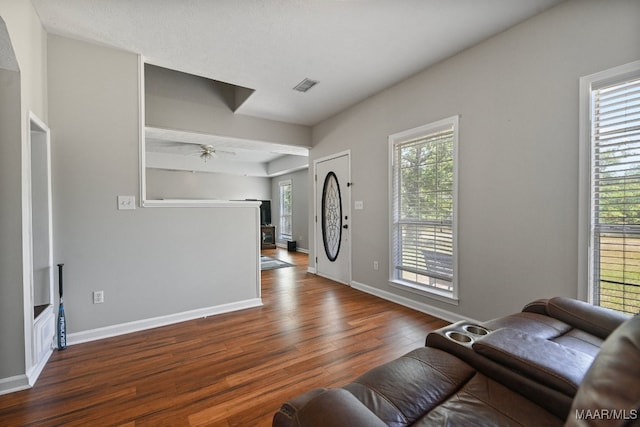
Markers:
<point>234,369</point>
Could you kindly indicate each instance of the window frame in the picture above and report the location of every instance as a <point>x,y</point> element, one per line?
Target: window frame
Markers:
<point>396,139</point>
<point>281,186</point>
<point>586,287</point>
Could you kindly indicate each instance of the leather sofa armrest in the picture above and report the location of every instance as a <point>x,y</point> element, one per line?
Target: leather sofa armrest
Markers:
<point>328,407</point>
<point>538,306</point>
<point>599,321</point>
<point>289,409</point>
<point>547,362</point>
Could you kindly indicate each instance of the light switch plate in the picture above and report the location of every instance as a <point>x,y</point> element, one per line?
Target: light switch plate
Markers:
<point>126,202</point>
<point>359,205</point>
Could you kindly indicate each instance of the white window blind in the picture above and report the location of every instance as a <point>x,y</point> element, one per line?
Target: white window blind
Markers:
<point>423,208</point>
<point>615,183</point>
<point>285,210</point>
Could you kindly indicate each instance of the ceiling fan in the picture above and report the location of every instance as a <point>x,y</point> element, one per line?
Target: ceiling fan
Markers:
<point>208,152</point>
<point>205,151</point>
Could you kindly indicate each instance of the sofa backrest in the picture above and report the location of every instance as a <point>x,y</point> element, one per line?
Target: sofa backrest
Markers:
<point>610,392</point>
<point>599,321</point>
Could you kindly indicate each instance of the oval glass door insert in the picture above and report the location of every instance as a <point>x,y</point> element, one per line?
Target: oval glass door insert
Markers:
<point>331,216</point>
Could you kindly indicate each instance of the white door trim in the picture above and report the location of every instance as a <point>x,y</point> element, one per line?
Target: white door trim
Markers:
<point>34,367</point>
<point>315,213</point>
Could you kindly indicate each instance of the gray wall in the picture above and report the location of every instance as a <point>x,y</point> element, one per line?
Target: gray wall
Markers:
<point>517,95</point>
<point>19,94</point>
<point>180,101</point>
<point>300,208</point>
<point>164,184</point>
<point>150,262</point>
<point>11,308</point>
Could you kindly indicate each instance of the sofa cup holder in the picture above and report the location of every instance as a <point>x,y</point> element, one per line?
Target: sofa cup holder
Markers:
<point>459,337</point>
<point>466,334</point>
<point>476,330</point>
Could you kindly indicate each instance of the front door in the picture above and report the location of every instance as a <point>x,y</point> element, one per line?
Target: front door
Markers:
<point>333,217</point>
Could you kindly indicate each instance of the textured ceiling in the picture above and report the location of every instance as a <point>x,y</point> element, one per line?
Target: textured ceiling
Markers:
<point>353,48</point>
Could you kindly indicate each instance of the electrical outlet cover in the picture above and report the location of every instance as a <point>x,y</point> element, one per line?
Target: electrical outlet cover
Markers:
<point>98,297</point>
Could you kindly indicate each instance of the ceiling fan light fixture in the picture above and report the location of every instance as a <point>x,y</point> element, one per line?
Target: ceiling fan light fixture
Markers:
<point>208,152</point>
<point>305,85</point>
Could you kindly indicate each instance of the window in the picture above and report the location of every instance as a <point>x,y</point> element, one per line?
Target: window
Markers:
<point>614,187</point>
<point>423,209</point>
<point>285,210</point>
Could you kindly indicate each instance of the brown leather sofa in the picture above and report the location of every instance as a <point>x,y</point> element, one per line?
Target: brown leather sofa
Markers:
<point>543,352</point>
<point>558,362</point>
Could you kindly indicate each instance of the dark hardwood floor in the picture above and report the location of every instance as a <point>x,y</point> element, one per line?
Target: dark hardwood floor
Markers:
<point>233,369</point>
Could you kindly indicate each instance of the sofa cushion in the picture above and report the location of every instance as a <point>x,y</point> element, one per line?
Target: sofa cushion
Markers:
<point>484,402</point>
<point>532,323</point>
<point>599,321</point>
<point>334,407</point>
<point>580,341</point>
<point>547,362</point>
<point>401,391</point>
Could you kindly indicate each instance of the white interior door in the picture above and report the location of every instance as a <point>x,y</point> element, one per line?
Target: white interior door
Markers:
<point>333,217</point>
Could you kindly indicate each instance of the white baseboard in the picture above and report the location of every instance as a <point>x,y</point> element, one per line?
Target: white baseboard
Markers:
<point>12,384</point>
<point>23,382</point>
<point>155,322</point>
<point>35,371</point>
<point>415,305</point>
<point>311,270</point>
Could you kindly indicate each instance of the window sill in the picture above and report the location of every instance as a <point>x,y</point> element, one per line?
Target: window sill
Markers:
<point>438,295</point>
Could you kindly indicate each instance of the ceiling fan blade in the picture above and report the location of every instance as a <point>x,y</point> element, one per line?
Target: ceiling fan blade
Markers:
<point>225,153</point>
<point>173,147</point>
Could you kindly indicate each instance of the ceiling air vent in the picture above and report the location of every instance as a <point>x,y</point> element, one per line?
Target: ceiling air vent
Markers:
<point>305,85</point>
